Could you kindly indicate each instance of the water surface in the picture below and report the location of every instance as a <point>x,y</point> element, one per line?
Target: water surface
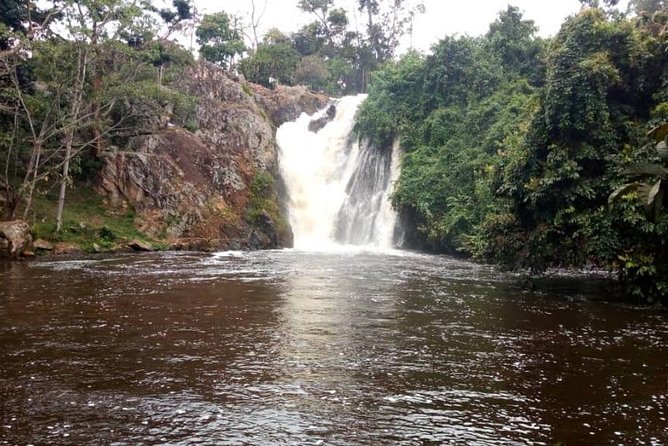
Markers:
<point>287,347</point>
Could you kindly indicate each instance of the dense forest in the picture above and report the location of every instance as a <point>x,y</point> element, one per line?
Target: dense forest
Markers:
<point>535,153</point>
<point>527,152</point>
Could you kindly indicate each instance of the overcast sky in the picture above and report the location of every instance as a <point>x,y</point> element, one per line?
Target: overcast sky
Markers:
<point>442,17</point>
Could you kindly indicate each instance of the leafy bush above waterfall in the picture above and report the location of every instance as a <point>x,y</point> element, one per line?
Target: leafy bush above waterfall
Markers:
<point>514,144</point>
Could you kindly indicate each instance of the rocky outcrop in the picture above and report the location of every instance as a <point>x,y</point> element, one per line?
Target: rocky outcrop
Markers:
<point>15,239</point>
<point>318,124</point>
<point>194,188</point>
<point>286,104</point>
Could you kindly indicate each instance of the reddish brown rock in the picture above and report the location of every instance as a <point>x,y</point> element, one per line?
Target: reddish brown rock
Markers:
<point>63,248</point>
<point>195,187</point>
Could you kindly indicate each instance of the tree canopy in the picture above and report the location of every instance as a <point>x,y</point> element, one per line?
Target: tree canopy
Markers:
<point>220,39</point>
<point>514,144</point>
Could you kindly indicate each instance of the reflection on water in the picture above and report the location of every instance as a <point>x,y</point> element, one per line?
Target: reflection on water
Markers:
<point>287,347</point>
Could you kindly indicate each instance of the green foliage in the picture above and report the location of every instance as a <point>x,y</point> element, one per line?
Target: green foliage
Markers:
<point>393,102</point>
<point>220,39</point>
<point>313,71</point>
<point>514,145</point>
<point>276,57</point>
<point>602,76</point>
<point>263,201</point>
<point>449,182</point>
<point>337,57</point>
<point>87,221</point>
<point>512,39</point>
<point>644,262</point>
<point>182,10</point>
<point>571,152</point>
<point>455,112</point>
<point>110,79</point>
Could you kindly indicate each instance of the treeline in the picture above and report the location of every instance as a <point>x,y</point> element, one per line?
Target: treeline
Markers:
<point>78,78</point>
<point>328,54</point>
<point>535,153</point>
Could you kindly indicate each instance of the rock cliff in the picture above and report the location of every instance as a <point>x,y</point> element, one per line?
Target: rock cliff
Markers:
<point>213,187</point>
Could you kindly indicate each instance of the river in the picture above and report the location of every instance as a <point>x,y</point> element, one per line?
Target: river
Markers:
<point>298,348</point>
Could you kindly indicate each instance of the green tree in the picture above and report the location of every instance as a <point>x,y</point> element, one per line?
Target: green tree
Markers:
<point>647,7</point>
<point>331,22</point>
<point>313,71</point>
<point>387,22</point>
<point>92,86</point>
<point>276,57</point>
<point>513,40</point>
<point>603,84</point>
<point>220,39</point>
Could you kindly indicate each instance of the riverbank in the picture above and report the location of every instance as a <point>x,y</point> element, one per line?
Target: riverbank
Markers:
<point>209,185</point>
<point>92,225</point>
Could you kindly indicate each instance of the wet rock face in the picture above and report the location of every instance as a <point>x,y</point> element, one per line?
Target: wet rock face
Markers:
<point>318,124</point>
<point>193,188</point>
<point>15,239</point>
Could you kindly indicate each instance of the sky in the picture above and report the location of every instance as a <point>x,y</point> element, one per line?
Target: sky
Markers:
<point>442,17</point>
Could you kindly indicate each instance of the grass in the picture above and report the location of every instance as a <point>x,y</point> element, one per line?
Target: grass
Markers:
<point>87,221</point>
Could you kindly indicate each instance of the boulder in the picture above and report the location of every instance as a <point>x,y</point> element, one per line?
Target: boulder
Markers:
<point>43,245</point>
<point>63,248</point>
<point>15,239</point>
<point>318,124</point>
<point>141,246</point>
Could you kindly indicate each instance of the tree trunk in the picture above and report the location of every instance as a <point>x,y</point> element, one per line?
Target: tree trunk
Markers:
<point>96,88</point>
<point>11,203</point>
<point>31,188</point>
<point>97,133</point>
<point>69,136</point>
<point>63,183</point>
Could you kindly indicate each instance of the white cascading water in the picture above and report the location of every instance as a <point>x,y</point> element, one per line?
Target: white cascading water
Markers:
<point>337,189</point>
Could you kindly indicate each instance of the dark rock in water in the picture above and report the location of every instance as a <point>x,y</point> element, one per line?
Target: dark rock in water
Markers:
<point>138,245</point>
<point>267,234</point>
<point>318,124</point>
<point>15,239</point>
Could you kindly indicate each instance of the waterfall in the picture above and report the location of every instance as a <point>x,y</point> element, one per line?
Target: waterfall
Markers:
<point>338,190</point>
